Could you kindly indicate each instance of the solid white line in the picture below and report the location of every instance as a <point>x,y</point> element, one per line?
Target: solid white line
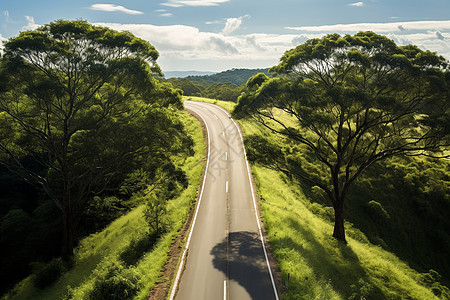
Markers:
<point>224,290</point>
<point>254,205</point>
<point>180,268</point>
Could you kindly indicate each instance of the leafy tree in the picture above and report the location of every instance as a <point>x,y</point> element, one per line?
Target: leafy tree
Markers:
<point>188,87</point>
<point>223,91</point>
<point>84,104</point>
<point>344,103</point>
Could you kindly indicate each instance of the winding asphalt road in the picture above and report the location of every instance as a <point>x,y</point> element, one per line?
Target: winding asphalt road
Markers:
<point>224,257</point>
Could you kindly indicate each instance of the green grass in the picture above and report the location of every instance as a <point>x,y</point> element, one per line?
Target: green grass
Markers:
<point>319,266</point>
<point>97,250</point>
<point>228,105</point>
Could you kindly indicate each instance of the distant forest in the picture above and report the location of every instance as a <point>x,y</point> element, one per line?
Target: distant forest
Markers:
<point>227,85</point>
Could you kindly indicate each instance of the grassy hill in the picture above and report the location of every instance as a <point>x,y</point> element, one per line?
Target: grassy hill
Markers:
<point>371,265</point>
<point>235,76</point>
<point>123,255</point>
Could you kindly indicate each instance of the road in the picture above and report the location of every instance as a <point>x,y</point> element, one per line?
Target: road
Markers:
<point>225,257</point>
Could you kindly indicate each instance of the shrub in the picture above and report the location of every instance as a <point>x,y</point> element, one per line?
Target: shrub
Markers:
<point>48,273</point>
<point>115,282</point>
<point>325,212</point>
<point>377,211</point>
<point>138,248</point>
<point>432,280</point>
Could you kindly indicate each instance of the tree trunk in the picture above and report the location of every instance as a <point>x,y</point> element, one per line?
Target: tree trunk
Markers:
<point>68,238</point>
<point>339,230</point>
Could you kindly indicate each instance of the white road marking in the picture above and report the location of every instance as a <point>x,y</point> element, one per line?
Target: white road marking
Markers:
<point>226,187</point>
<point>216,117</point>
<point>226,155</point>
<point>224,290</point>
<point>180,268</point>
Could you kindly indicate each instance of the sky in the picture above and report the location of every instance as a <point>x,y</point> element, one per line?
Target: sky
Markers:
<point>217,35</point>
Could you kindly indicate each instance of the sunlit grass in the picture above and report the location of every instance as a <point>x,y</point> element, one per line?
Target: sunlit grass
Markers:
<point>320,267</point>
<point>228,105</point>
<point>100,248</point>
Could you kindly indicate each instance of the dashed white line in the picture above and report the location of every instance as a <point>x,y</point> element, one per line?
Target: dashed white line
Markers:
<point>226,155</point>
<point>224,290</point>
<point>226,187</point>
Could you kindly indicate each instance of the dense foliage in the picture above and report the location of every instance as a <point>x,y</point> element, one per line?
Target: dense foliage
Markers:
<point>82,114</point>
<point>345,103</point>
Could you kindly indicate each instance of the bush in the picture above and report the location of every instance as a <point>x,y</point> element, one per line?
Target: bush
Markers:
<point>326,213</point>
<point>138,248</point>
<point>377,211</point>
<point>432,280</point>
<point>115,282</point>
<point>49,273</point>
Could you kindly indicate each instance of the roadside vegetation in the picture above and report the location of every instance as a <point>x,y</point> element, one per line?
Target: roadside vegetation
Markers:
<point>124,256</point>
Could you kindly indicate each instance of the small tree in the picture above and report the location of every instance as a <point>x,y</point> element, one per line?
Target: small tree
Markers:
<point>344,103</point>
<point>156,209</point>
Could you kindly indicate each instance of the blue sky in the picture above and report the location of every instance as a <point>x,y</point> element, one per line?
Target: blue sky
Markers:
<point>216,35</point>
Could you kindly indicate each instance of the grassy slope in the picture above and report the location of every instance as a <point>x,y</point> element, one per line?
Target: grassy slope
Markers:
<point>98,249</point>
<point>319,266</point>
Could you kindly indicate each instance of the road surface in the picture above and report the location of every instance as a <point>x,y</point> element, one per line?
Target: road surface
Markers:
<point>225,258</point>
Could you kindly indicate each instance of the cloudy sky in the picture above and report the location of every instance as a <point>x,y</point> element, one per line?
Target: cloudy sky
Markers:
<point>216,35</point>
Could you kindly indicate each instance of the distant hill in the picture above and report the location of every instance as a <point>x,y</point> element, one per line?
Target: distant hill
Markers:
<point>183,74</point>
<point>236,76</point>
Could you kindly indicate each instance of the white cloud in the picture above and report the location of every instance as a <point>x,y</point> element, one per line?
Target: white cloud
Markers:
<point>378,27</point>
<point>180,3</point>
<point>440,36</point>
<point>113,7</point>
<point>187,48</point>
<point>213,22</point>
<point>233,24</point>
<point>166,15</point>
<point>359,4</point>
<point>427,35</point>
<point>31,24</point>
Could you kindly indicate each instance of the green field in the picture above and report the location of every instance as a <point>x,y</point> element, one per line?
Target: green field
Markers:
<point>100,250</point>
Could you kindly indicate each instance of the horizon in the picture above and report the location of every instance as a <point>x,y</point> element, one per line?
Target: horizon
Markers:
<point>219,35</point>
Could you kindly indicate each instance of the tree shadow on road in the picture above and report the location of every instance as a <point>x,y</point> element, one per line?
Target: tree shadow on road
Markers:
<point>246,263</point>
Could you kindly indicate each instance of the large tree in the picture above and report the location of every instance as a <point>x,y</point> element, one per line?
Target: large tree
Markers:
<point>343,103</point>
<point>81,108</point>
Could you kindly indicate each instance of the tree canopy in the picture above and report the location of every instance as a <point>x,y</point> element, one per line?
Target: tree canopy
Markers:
<point>346,102</point>
<point>82,109</point>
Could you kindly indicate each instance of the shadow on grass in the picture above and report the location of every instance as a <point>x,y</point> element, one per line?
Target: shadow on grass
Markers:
<point>138,247</point>
<point>246,263</point>
<point>338,265</point>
